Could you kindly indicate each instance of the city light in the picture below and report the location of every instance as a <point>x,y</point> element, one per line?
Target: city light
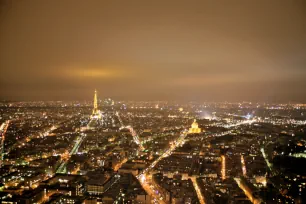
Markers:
<point>243,166</point>
<point>223,168</point>
<point>198,191</point>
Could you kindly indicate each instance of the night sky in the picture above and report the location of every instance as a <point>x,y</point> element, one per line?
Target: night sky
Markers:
<point>153,50</point>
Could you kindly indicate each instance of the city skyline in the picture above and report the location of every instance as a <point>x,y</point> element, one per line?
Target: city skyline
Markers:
<point>176,50</point>
<point>152,102</point>
<point>152,153</point>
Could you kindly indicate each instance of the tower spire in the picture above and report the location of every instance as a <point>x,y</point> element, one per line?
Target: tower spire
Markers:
<point>95,109</point>
<point>96,113</point>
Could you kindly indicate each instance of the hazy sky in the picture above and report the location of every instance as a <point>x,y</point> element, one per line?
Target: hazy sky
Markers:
<point>176,50</point>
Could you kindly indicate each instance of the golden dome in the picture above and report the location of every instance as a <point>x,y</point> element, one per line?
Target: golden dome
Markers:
<point>195,127</point>
<point>195,124</point>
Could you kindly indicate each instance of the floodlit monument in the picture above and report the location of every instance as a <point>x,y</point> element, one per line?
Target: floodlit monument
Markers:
<point>194,128</point>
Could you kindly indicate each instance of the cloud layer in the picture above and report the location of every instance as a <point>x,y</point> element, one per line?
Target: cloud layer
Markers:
<point>173,50</point>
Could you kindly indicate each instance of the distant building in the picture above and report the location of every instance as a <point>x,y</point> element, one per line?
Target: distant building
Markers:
<point>96,113</point>
<point>96,118</point>
<point>194,128</point>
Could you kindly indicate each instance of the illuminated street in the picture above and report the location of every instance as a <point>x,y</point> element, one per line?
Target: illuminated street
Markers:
<point>132,131</point>
<point>247,192</point>
<point>197,189</point>
<point>74,150</point>
<point>223,167</point>
<point>241,123</point>
<point>3,128</point>
<point>244,172</point>
<point>145,177</point>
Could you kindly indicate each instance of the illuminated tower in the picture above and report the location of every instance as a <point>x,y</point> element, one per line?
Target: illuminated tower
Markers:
<point>96,113</point>
<point>95,108</point>
<point>96,118</point>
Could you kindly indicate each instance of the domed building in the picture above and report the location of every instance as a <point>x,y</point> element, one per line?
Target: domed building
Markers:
<point>194,128</point>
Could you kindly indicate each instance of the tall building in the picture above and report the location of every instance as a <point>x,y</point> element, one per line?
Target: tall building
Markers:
<point>96,113</point>
<point>95,108</point>
<point>194,128</point>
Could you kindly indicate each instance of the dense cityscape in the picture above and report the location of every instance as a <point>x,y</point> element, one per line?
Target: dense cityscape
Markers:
<point>152,102</point>
<point>106,151</point>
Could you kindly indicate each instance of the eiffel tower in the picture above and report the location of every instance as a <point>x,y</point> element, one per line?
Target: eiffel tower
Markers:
<point>96,113</point>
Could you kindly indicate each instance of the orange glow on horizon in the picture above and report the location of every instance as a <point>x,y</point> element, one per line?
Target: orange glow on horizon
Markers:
<point>96,72</point>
